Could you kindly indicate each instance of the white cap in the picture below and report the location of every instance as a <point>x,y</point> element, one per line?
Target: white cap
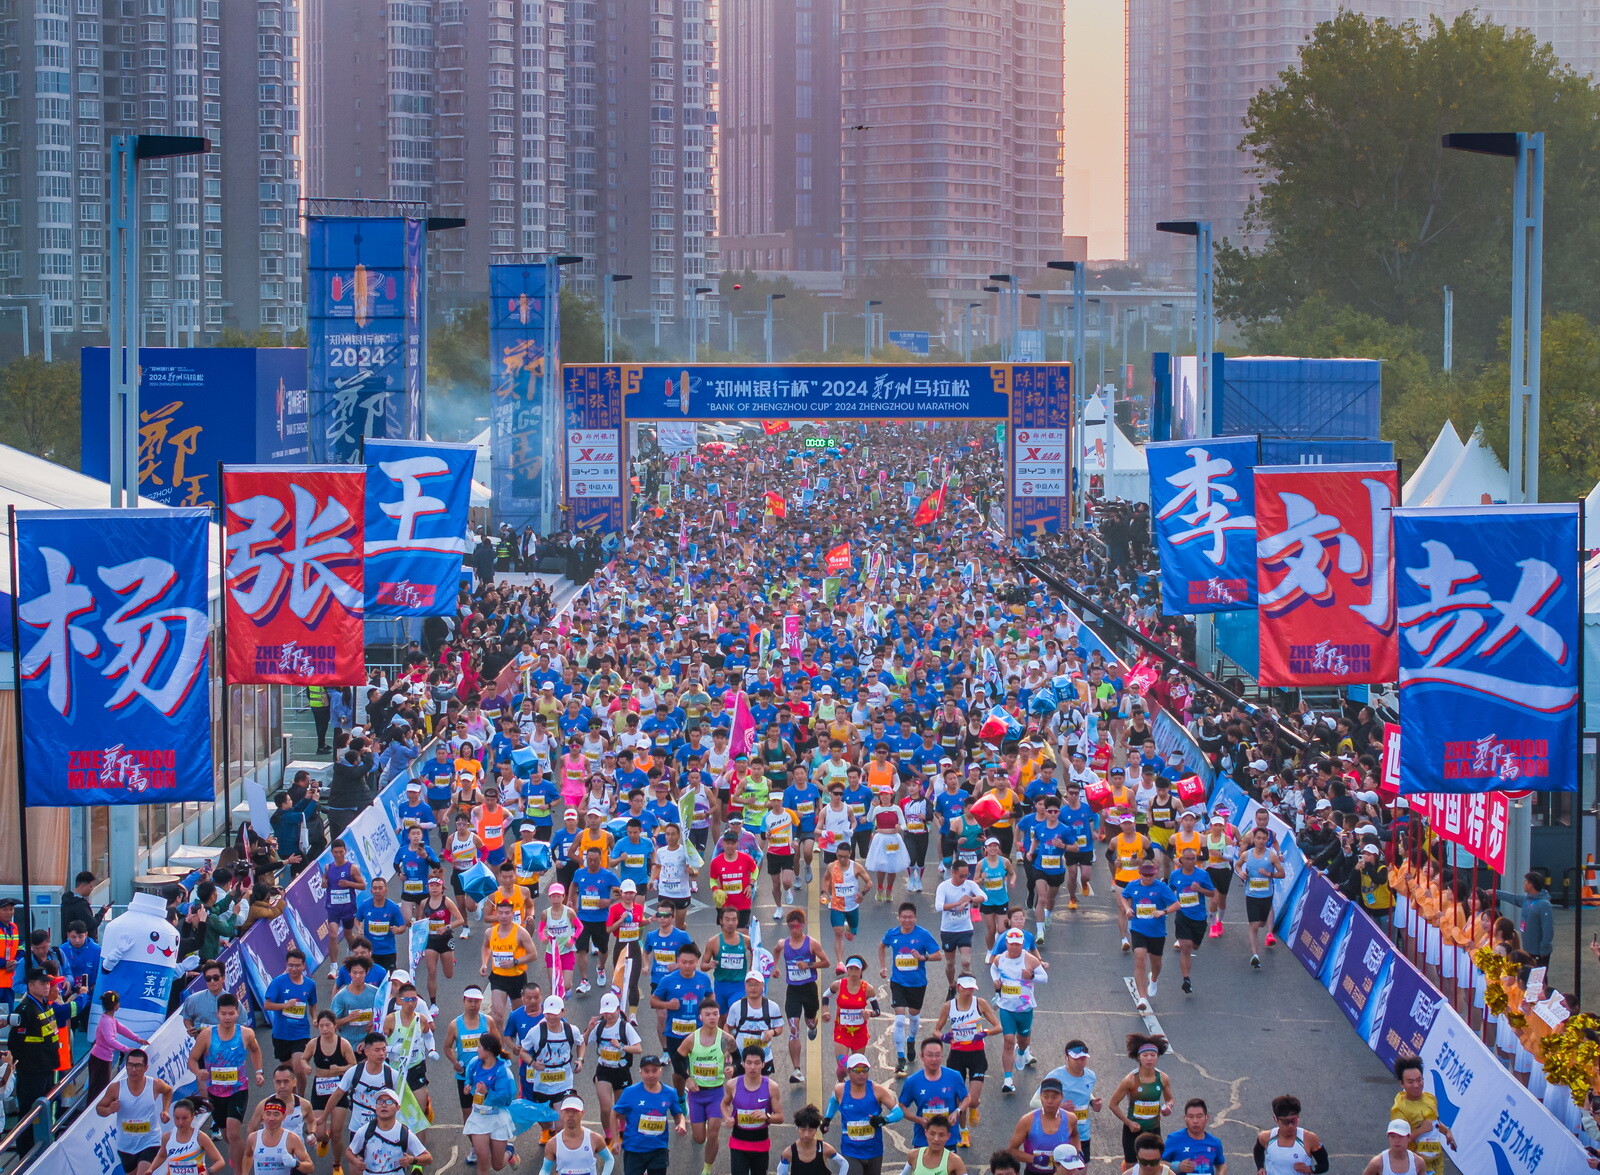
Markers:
<point>1366,830</point>
<point>1068,1157</point>
<point>401,976</point>
<point>610,1003</point>
<point>1399,1126</point>
<point>992,840</point>
<point>1218,818</point>
<point>1373,849</point>
<point>968,981</point>
<point>1015,935</point>
<point>629,885</point>
<point>554,1005</point>
<point>387,1095</point>
<point>472,993</point>
<point>754,974</point>
<point>858,1059</point>
<point>1321,804</point>
<point>571,1103</point>
<point>1258,765</point>
<point>413,786</point>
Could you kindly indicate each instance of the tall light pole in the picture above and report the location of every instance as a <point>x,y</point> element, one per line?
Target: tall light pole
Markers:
<point>1449,329</point>
<point>1526,150</point>
<point>608,311</point>
<point>1011,307</point>
<point>966,330</point>
<point>694,322</point>
<point>866,314</point>
<point>1080,393</point>
<point>771,298</point>
<point>1205,322</point>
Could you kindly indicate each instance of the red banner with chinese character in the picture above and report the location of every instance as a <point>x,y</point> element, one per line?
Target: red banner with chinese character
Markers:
<point>838,559</point>
<point>1477,821</point>
<point>1325,573</point>
<point>293,579</point>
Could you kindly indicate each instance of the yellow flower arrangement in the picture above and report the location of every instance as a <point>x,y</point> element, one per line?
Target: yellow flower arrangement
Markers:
<point>1570,1056</point>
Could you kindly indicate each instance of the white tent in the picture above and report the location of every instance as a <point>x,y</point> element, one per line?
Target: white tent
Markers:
<point>1102,439</point>
<point>1591,519</point>
<point>1476,477</point>
<point>1591,644</point>
<point>1446,448</point>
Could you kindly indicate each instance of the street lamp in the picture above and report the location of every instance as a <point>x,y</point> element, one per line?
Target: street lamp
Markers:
<point>1009,313</point>
<point>1526,150</point>
<point>1079,387</point>
<point>867,315</point>
<point>1205,323</point>
<point>999,315</point>
<point>694,322</point>
<point>608,308</point>
<point>550,390</point>
<point>966,330</point>
<point>771,298</point>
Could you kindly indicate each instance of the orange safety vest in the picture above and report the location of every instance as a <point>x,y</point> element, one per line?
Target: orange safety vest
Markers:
<point>10,945</point>
<point>491,829</point>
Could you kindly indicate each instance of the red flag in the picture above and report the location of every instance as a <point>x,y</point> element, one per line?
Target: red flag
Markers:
<point>930,508</point>
<point>293,582</point>
<point>838,558</point>
<point>773,427</point>
<point>776,505</point>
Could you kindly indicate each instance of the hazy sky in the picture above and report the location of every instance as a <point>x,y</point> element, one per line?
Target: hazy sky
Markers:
<point>1096,97</point>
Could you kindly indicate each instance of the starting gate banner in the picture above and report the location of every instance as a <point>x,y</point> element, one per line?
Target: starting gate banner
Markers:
<point>293,579</point>
<point>1202,497</point>
<point>114,658</point>
<point>1325,573</point>
<point>1488,604</point>
<point>418,497</point>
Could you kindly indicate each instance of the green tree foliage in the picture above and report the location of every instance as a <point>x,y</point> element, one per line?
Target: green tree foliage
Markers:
<point>233,336</point>
<point>40,409</point>
<point>1365,209</point>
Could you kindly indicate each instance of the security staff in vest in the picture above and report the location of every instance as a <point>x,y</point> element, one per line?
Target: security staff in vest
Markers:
<point>35,1048</point>
<point>321,708</point>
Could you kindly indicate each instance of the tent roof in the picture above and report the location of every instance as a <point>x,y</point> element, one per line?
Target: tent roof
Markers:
<point>1476,477</point>
<point>1446,448</point>
<point>1129,456</point>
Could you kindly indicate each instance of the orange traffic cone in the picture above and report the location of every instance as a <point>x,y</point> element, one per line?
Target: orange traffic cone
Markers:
<point>1591,887</point>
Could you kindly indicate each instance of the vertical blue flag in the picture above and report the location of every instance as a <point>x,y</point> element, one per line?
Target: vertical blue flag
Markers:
<point>522,409</point>
<point>116,697</point>
<point>418,496</point>
<point>364,375</point>
<point>1203,505</point>
<point>1489,605</point>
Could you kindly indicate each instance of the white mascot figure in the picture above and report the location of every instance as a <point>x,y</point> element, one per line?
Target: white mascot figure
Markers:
<point>138,961</point>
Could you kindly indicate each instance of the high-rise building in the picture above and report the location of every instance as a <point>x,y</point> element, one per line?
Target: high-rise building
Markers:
<point>218,235</point>
<point>780,136</point>
<point>1194,65</point>
<point>951,162</point>
<point>551,125</point>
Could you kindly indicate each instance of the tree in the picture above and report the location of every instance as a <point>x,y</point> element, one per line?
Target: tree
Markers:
<point>41,408</point>
<point>1365,209</point>
<point>796,321</point>
<point>233,336</point>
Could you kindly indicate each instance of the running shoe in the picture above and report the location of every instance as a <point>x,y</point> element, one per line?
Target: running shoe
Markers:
<point>796,1078</point>
<point>777,915</point>
<point>1187,986</point>
<point>583,987</point>
<point>472,1161</point>
<point>1272,939</point>
<point>1216,930</point>
<point>811,1030</point>
<point>966,1137</point>
<point>1087,892</point>
<point>1255,961</point>
<point>1142,1007</point>
<point>511,1154</point>
<point>1072,903</point>
<point>1028,1059</point>
<point>900,1066</point>
<point>1009,1085</point>
<point>1126,945</point>
<point>1152,989</point>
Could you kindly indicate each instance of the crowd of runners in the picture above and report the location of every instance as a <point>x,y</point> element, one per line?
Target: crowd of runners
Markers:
<point>668,923</point>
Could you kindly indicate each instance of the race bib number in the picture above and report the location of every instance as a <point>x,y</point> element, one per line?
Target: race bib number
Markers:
<point>136,1128</point>
<point>1146,1111</point>
<point>1188,899</point>
<point>852,1017</point>
<point>683,1025</point>
<point>1260,886</point>
<point>652,1123</point>
<point>1146,910</point>
<point>610,1054</point>
<point>891,844</point>
<point>732,885</point>
<point>905,962</point>
<point>1050,862</point>
<point>554,1079</point>
<point>413,885</point>
<point>377,929</point>
<point>750,1119</point>
<point>860,1131</point>
<point>707,1069</point>
<point>591,901</point>
<point>224,1077</point>
<point>325,1085</point>
<point>663,957</point>
<point>798,974</point>
<point>294,1010</point>
<point>628,932</point>
<point>1010,989</point>
<point>503,959</point>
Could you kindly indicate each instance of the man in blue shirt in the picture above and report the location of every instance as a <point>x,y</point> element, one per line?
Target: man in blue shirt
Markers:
<point>661,949</point>
<point>633,854</point>
<point>1146,902</point>
<point>1077,1089</point>
<point>439,775</point>
<point>593,889</point>
<point>411,812</point>
<point>291,1001</point>
<point>379,920</point>
<point>909,947</point>
<point>1194,1150</point>
<point>644,1110</point>
<point>679,994</point>
<point>1194,889</point>
<point>932,1089</point>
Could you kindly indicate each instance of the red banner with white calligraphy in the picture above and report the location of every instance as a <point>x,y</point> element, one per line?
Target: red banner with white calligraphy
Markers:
<point>293,578</point>
<point>1325,573</point>
<point>1477,821</point>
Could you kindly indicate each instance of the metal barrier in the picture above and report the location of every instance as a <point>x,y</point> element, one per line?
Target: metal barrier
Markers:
<point>50,1112</point>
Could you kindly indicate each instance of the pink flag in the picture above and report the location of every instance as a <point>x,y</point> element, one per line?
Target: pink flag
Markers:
<point>742,736</point>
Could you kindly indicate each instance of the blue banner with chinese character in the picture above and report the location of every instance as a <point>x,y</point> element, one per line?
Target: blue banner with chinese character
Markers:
<point>116,697</point>
<point>364,374</point>
<point>522,360</point>
<point>418,496</point>
<point>1489,608</point>
<point>1203,505</point>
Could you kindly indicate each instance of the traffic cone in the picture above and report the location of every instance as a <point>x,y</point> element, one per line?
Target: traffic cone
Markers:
<point>1591,887</point>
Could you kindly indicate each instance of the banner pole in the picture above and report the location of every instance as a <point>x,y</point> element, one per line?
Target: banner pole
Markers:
<point>12,549</point>
<point>222,667</point>
<point>1577,795</point>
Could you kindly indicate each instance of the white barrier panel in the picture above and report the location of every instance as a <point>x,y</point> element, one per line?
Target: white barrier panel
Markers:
<point>1500,1128</point>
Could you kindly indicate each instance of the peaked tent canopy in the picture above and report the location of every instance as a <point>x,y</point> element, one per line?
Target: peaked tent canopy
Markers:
<point>1425,478</point>
<point>1476,478</point>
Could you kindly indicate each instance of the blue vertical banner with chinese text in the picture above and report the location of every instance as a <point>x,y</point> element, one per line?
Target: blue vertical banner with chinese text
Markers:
<point>418,497</point>
<point>1041,423</point>
<point>1488,604</point>
<point>115,657</point>
<point>363,376</point>
<point>1202,503</point>
<point>521,390</point>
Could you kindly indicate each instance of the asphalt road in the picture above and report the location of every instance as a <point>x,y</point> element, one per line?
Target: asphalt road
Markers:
<point>1239,1040</point>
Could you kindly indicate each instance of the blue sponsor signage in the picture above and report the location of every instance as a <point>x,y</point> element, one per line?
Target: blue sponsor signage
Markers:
<point>961,391</point>
<point>417,499</point>
<point>115,656</point>
<point>522,411</point>
<point>1488,605</point>
<point>1203,505</point>
<point>915,342</point>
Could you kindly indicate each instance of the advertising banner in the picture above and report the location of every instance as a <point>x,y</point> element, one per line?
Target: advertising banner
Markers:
<point>1320,919</point>
<point>361,310</point>
<point>1477,821</point>
<point>1040,456</point>
<point>1408,1006</point>
<point>418,497</point>
<point>521,412</point>
<point>1356,969</point>
<point>594,463</point>
<point>1202,500</point>
<point>1325,573</point>
<point>1488,605</point>
<point>199,407</point>
<point>684,436</point>
<point>294,574</point>
<point>306,912</point>
<point>592,405</point>
<point>416,328</point>
<point>115,633</point>
<point>263,948</point>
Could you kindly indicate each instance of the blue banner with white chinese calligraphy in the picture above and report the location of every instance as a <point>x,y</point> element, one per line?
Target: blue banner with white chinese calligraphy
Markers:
<point>1489,606</point>
<point>363,377</point>
<point>418,496</point>
<point>1203,505</point>
<point>116,698</point>
<point>522,360</point>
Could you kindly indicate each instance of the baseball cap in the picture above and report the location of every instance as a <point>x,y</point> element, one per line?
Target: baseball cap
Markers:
<point>967,981</point>
<point>554,1005</point>
<point>1015,935</point>
<point>1076,1048</point>
<point>1258,764</point>
<point>1373,849</point>
<point>858,1060</point>
<point>1067,1156</point>
<point>629,885</point>
<point>651,1059</point>
<point>557,888</point>
<point>754,974</point>
<point>1321,804</point>
<point>1050,1084</point>
<point>572,1103</point>
<point>992,840</point>
<point>1219,818</point>
<point>472,993</point>
<point>387,1095</point>
<point>610,1003</point>
<point>1399,1126</point>
<point>401,976</point>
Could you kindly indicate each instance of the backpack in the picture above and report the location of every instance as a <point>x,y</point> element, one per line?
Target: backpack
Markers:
<point>404,1143</point>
